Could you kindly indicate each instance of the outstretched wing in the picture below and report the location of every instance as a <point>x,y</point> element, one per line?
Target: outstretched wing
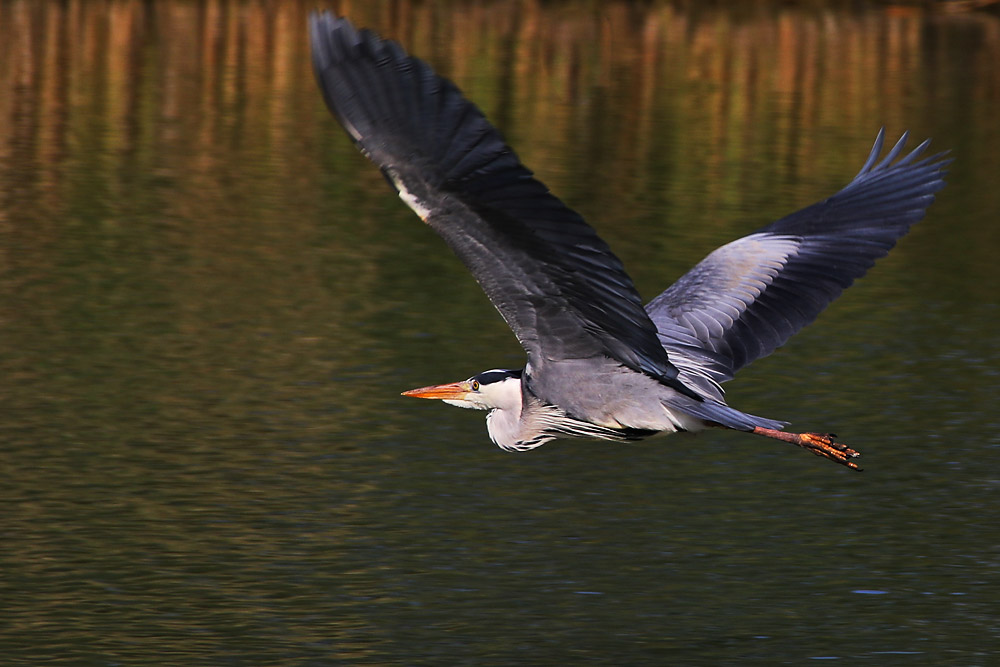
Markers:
<point>750,296</point>
<point>555,282</point>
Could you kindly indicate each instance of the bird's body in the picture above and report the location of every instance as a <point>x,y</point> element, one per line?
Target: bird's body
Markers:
<point>623,405</point>
<point>600,364</point>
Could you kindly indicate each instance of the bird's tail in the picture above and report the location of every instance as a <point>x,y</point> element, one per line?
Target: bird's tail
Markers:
<point>721,414</point>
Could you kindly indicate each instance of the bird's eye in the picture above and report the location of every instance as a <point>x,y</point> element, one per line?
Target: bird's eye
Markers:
<point>475,385</point>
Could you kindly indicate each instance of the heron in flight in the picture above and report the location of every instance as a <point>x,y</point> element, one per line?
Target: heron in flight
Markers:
<point>599,363</point>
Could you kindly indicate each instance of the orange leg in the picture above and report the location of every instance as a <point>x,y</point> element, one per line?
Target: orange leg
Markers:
<point>818,444</point>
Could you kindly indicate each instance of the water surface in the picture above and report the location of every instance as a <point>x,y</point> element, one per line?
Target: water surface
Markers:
<point>209,304</point>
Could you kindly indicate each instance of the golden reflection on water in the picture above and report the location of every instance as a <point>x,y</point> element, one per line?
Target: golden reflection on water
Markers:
<point>208,302</point>
<point>192,97</point>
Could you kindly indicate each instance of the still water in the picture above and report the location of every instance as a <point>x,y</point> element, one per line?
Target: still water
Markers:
<point>209,304</point>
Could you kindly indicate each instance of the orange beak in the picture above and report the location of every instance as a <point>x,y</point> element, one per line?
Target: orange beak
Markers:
<point>455,391</point>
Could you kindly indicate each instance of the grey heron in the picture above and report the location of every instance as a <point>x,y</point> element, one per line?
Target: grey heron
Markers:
<point>599,363</point>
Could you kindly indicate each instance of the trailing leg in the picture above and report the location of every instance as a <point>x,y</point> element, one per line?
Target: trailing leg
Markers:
<point>818,444</point>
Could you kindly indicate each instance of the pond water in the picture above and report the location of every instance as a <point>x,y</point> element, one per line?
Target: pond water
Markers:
<point>209,303</point>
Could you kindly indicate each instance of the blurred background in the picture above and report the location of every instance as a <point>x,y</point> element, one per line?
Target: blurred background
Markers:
<point>209,303</point>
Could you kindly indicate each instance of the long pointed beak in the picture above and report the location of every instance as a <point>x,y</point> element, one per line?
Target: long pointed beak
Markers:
<point>455,391</point>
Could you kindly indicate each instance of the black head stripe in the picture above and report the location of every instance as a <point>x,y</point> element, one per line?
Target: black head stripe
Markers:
<point>496,375</point>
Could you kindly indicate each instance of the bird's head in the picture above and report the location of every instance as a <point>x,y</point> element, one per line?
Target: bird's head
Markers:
<point>489,390</point>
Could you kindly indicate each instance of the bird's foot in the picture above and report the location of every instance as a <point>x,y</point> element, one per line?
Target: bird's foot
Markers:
<point>823,444</point>
<point>818,443</point>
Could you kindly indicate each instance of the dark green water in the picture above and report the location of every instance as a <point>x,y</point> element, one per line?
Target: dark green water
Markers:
<point>209,305</point>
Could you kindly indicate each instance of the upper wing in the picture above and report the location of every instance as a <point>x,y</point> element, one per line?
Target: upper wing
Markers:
<point>750,296</point>
<point>555,282</point>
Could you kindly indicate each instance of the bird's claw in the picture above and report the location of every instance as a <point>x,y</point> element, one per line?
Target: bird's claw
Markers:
<point>824,445</point>
<point>818,443</point>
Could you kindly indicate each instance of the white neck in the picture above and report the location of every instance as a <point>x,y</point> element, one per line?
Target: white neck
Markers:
<point>504,420</point>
